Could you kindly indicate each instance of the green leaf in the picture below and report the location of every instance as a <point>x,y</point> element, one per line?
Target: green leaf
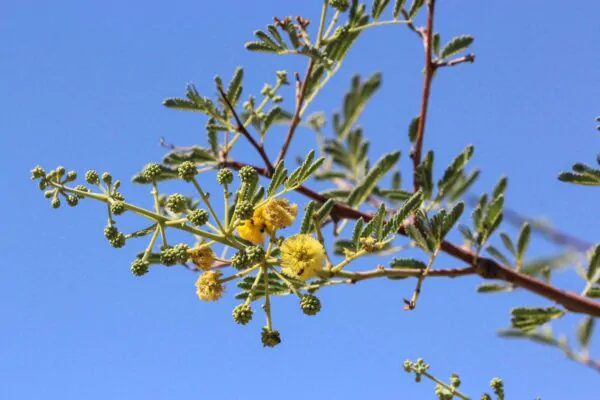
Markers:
<point>355,101</point>
<point>275,34</point>
<point>412,204</point>
<point>414,8</point>
<point>278,177</point>
<point>535,337</point>
<point>584,332</point>
<point>378,8</point>
<point>425,174</point>
<point>213,140</point>
<point>234,89</point>
<point>500,187</point>
<point>455,168</point>
<point>357,233</point>
<point>407,263</point>
<point>398,6</point>
<point>456,45</point>
<point>261,47</point>
<point>269,119</point>
<point>324,211</point>
<point>528,319</point>
<point>194,154</point>
<point>508,244</point>
<point>593,273</point>
<point>594,292</point>
<point>364,189</point>
<point>417,237</point>
<point>493,288</point>
<point>413,129</point>
<point>267,40</point>
<point>375,225</point>
<point>466,233</point>
<point>523,241</point>
<point>451,219</point>
<point>307,221</point>
<point>579,179</point>
<point>497,254</point>
<point>393,194</point>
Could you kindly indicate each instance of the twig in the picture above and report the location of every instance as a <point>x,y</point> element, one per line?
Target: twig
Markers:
<point>242,129</point>
<point>469,58</point>
<point>429,71</point>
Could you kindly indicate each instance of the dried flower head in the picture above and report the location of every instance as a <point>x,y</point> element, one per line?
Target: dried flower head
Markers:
<point>208,286</point>
<point>302,256</point>
<point>279,213</point>
<point>202,256</point>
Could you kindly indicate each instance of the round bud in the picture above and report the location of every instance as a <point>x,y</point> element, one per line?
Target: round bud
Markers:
<point>175,255</point>
<point>240,260</point>
<point>118,241</point>
<point>43,184</point>
<point>198,217</point>
<point>256,254</point>
<point>310,304</point>
<point>139,267</point>
<point>270,337</point>
<point>151,172</point>
<point>60,171</point>
<point>55,202</point>
<point>187,171</point>
<point>38,172</point>
<point>118,196</point>
<point>117,208</point>
<point>92,177</point>
<point>244,210</point>
<point>277,99</point>
<point>282,77</point>
<point>72,200</point>
<point>81,188</point>
<point>455,380</point>
<point>176,203</point>
<point>248,175</point>
<point>107,178</point>
<point>224,176</point>
<point>110,232</point>
<point>340,5</point>
<point>242,314</point>
<point>71,176</point>
<point>49,193</point>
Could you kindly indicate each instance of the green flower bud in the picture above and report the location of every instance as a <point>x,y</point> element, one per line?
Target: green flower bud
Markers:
<point>55,202</point>
<point>151,172</point>
<point>277,99</point>
<point>60,171</point>
<point>240,260</point>
<point>117,208</point>
<point>49,193</point>
<point>256,254</point>
<point>71,176</point>
<point>248,175</point>
<point>187,170</point>
<point>175,255</point>
<point>198,217</point>
<point>455,380</point>
<point>407,366</point>
<point>139,267</point>
<point>118,241</point>
<point>224,176</point>
<point>497,386</point>
<point>282,77</point>
<point>176,203</point>
<point>118,196</point>
<point>107,178</point>
<point>442,393</point>
<point>269,337</point>
<point>92,177</point>
<point>340,5</point>
<point>486,396</point>
<point>310,304</point>
<point>72,200</point>
<point>81,188</point>
<point>43,184</point>
<point>110,232</point>
<point>249,104</point>
<point>267,90</point>
<point>37,172</point>
<point>244,210</point>
<point>242,314</point>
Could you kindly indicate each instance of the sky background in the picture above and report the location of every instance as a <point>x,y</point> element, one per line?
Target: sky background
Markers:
<point>82,84</point>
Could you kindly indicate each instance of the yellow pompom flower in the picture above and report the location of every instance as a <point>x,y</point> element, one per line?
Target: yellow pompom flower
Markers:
<point>203,256</point>
<point>302,256</point>
<point>254,229</point>
<point>279,213</point>
<point>208,287</point>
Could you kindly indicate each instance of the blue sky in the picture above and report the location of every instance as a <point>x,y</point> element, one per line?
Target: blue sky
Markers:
<point>82,84</point>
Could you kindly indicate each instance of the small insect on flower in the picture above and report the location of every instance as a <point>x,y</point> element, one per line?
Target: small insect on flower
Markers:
<point>208,287</point>
<point>302,256</point>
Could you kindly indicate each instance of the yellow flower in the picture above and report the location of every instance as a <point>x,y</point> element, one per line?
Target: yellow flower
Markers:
<point>203,256</point>
<point>274,214</point>
<point>208,287</point>
<point>255,228</point>
<point>279,213</point>
<point>302,256</point>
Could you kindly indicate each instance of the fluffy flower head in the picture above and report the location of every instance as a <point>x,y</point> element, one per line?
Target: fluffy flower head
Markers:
<point>302,256</point>
<point>202,256</point>
<point>279,213</point>
<point>208,287</point>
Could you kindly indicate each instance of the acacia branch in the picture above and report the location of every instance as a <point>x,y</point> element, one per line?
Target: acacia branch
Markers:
<point>484,267</point>
<point>242,129</point>
<point>428,77</point>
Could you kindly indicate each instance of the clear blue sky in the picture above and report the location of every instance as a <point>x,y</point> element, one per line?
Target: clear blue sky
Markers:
<point>82,84</point>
